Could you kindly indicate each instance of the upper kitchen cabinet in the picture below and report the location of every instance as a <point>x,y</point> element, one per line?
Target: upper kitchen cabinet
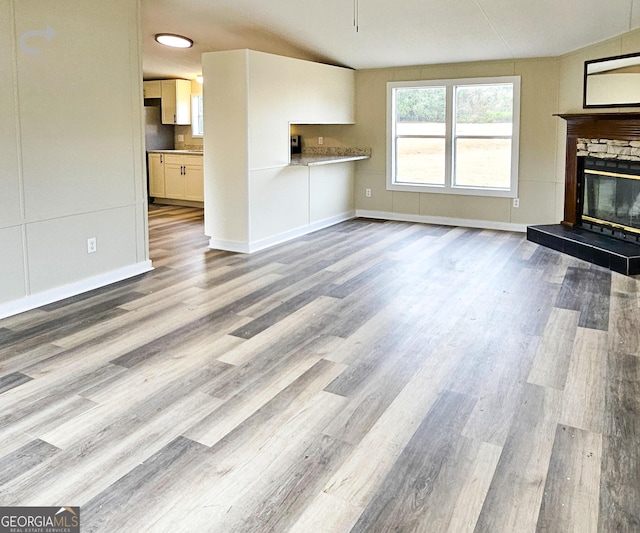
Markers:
<point>152,89</point>
<point>175,98</point>
<point>176,102</point>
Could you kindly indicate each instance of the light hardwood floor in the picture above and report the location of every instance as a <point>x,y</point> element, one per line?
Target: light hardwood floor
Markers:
<point>369,377</point>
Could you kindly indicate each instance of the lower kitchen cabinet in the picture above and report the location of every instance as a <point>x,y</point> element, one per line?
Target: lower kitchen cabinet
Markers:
<point>174,177</point>
<point>182,177</point>
<point>156,175</point>
<point>194,178</point>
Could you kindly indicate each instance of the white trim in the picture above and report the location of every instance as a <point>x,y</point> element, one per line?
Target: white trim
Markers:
<point>279,165</point>
<point>463,191</point>
<point>66,291</point>
<point>229,246</point>
<point>249,248</point>
<point>195,116</point>
<point>443,221</point>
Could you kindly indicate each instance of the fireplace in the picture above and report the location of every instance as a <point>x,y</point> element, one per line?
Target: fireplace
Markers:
<point>601,221</point>
<point>609,202</point>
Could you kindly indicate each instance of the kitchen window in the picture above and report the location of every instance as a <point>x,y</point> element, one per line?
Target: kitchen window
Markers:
<point>454,136</point>
<point>197,116</point>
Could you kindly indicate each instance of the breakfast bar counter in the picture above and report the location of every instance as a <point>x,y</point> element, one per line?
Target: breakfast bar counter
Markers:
<point>309,160</point>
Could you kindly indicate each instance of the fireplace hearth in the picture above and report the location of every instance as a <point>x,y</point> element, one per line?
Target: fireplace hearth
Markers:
<point>602,193</point>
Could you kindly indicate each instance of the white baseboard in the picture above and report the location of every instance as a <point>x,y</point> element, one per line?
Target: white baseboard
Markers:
<point>443,221</point>
<point>248,248</point>
<point>66,291</point>
<point>229,246</point>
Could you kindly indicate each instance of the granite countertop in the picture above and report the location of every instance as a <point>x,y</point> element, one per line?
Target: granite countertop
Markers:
<point>310,160</point>
<point>326,155</point>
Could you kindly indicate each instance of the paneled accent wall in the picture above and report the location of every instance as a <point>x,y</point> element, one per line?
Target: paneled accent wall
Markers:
<point>71,148</point>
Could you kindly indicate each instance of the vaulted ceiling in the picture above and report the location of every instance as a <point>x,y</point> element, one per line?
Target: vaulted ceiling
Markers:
<point>398,33</point>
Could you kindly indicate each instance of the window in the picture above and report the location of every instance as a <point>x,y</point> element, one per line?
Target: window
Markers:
<point>197,117</point>
<point>454,136</point>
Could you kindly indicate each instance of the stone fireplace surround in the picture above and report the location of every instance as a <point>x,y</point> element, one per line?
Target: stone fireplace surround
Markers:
<point>609,149</point>
<point>618,136</point>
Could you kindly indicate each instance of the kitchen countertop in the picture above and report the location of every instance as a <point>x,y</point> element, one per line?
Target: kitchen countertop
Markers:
<point>310,160</point>
<point>192,152</point>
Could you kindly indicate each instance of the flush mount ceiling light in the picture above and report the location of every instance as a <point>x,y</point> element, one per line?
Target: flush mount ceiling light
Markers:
<point>173,40</point>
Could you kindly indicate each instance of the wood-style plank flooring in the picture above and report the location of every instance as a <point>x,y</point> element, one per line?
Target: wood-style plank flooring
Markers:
<point>370,377</point>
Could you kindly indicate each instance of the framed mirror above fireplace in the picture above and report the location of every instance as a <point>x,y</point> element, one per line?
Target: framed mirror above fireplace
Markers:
<point>612,82</point>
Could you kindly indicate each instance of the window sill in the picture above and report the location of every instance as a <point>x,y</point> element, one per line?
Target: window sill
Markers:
<point>460,191</point>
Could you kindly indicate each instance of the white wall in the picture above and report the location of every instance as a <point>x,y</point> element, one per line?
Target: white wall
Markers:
<point>331,191</point>
<point>71,149</point>
<point>252,196</point>
<point>12,269</point>
<point>226,156</point>
<point>282,91</point>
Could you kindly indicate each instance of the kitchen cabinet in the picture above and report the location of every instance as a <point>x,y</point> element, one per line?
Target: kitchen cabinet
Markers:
<point>156,175</point>
<point>175,99</point>
<point>184,177</point>
<point>176,102</point>
<point>152,89</point>
<point>194,179</point>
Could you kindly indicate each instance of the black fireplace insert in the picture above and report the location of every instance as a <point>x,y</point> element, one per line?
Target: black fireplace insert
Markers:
<point>609,197</point>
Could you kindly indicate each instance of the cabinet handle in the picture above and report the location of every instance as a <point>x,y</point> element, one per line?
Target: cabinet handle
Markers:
<point>160,158</point>
<point>175,118</point>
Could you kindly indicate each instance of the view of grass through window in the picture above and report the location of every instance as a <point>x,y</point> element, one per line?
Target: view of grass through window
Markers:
<point>420,135</point>
<point>481,135</point>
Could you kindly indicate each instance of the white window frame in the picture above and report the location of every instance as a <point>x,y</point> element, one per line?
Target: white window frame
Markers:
<point>196,104</point>
<point>448,187</point>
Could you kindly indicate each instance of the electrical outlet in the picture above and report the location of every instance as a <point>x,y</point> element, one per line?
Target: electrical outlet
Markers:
<point>516,202</point>
<point>180,138</point>
<point>92,245</point>
<point>320,140</point>
<point>367,193</point>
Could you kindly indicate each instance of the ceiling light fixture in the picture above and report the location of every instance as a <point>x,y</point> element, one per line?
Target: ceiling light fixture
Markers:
<point>173,40</point>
